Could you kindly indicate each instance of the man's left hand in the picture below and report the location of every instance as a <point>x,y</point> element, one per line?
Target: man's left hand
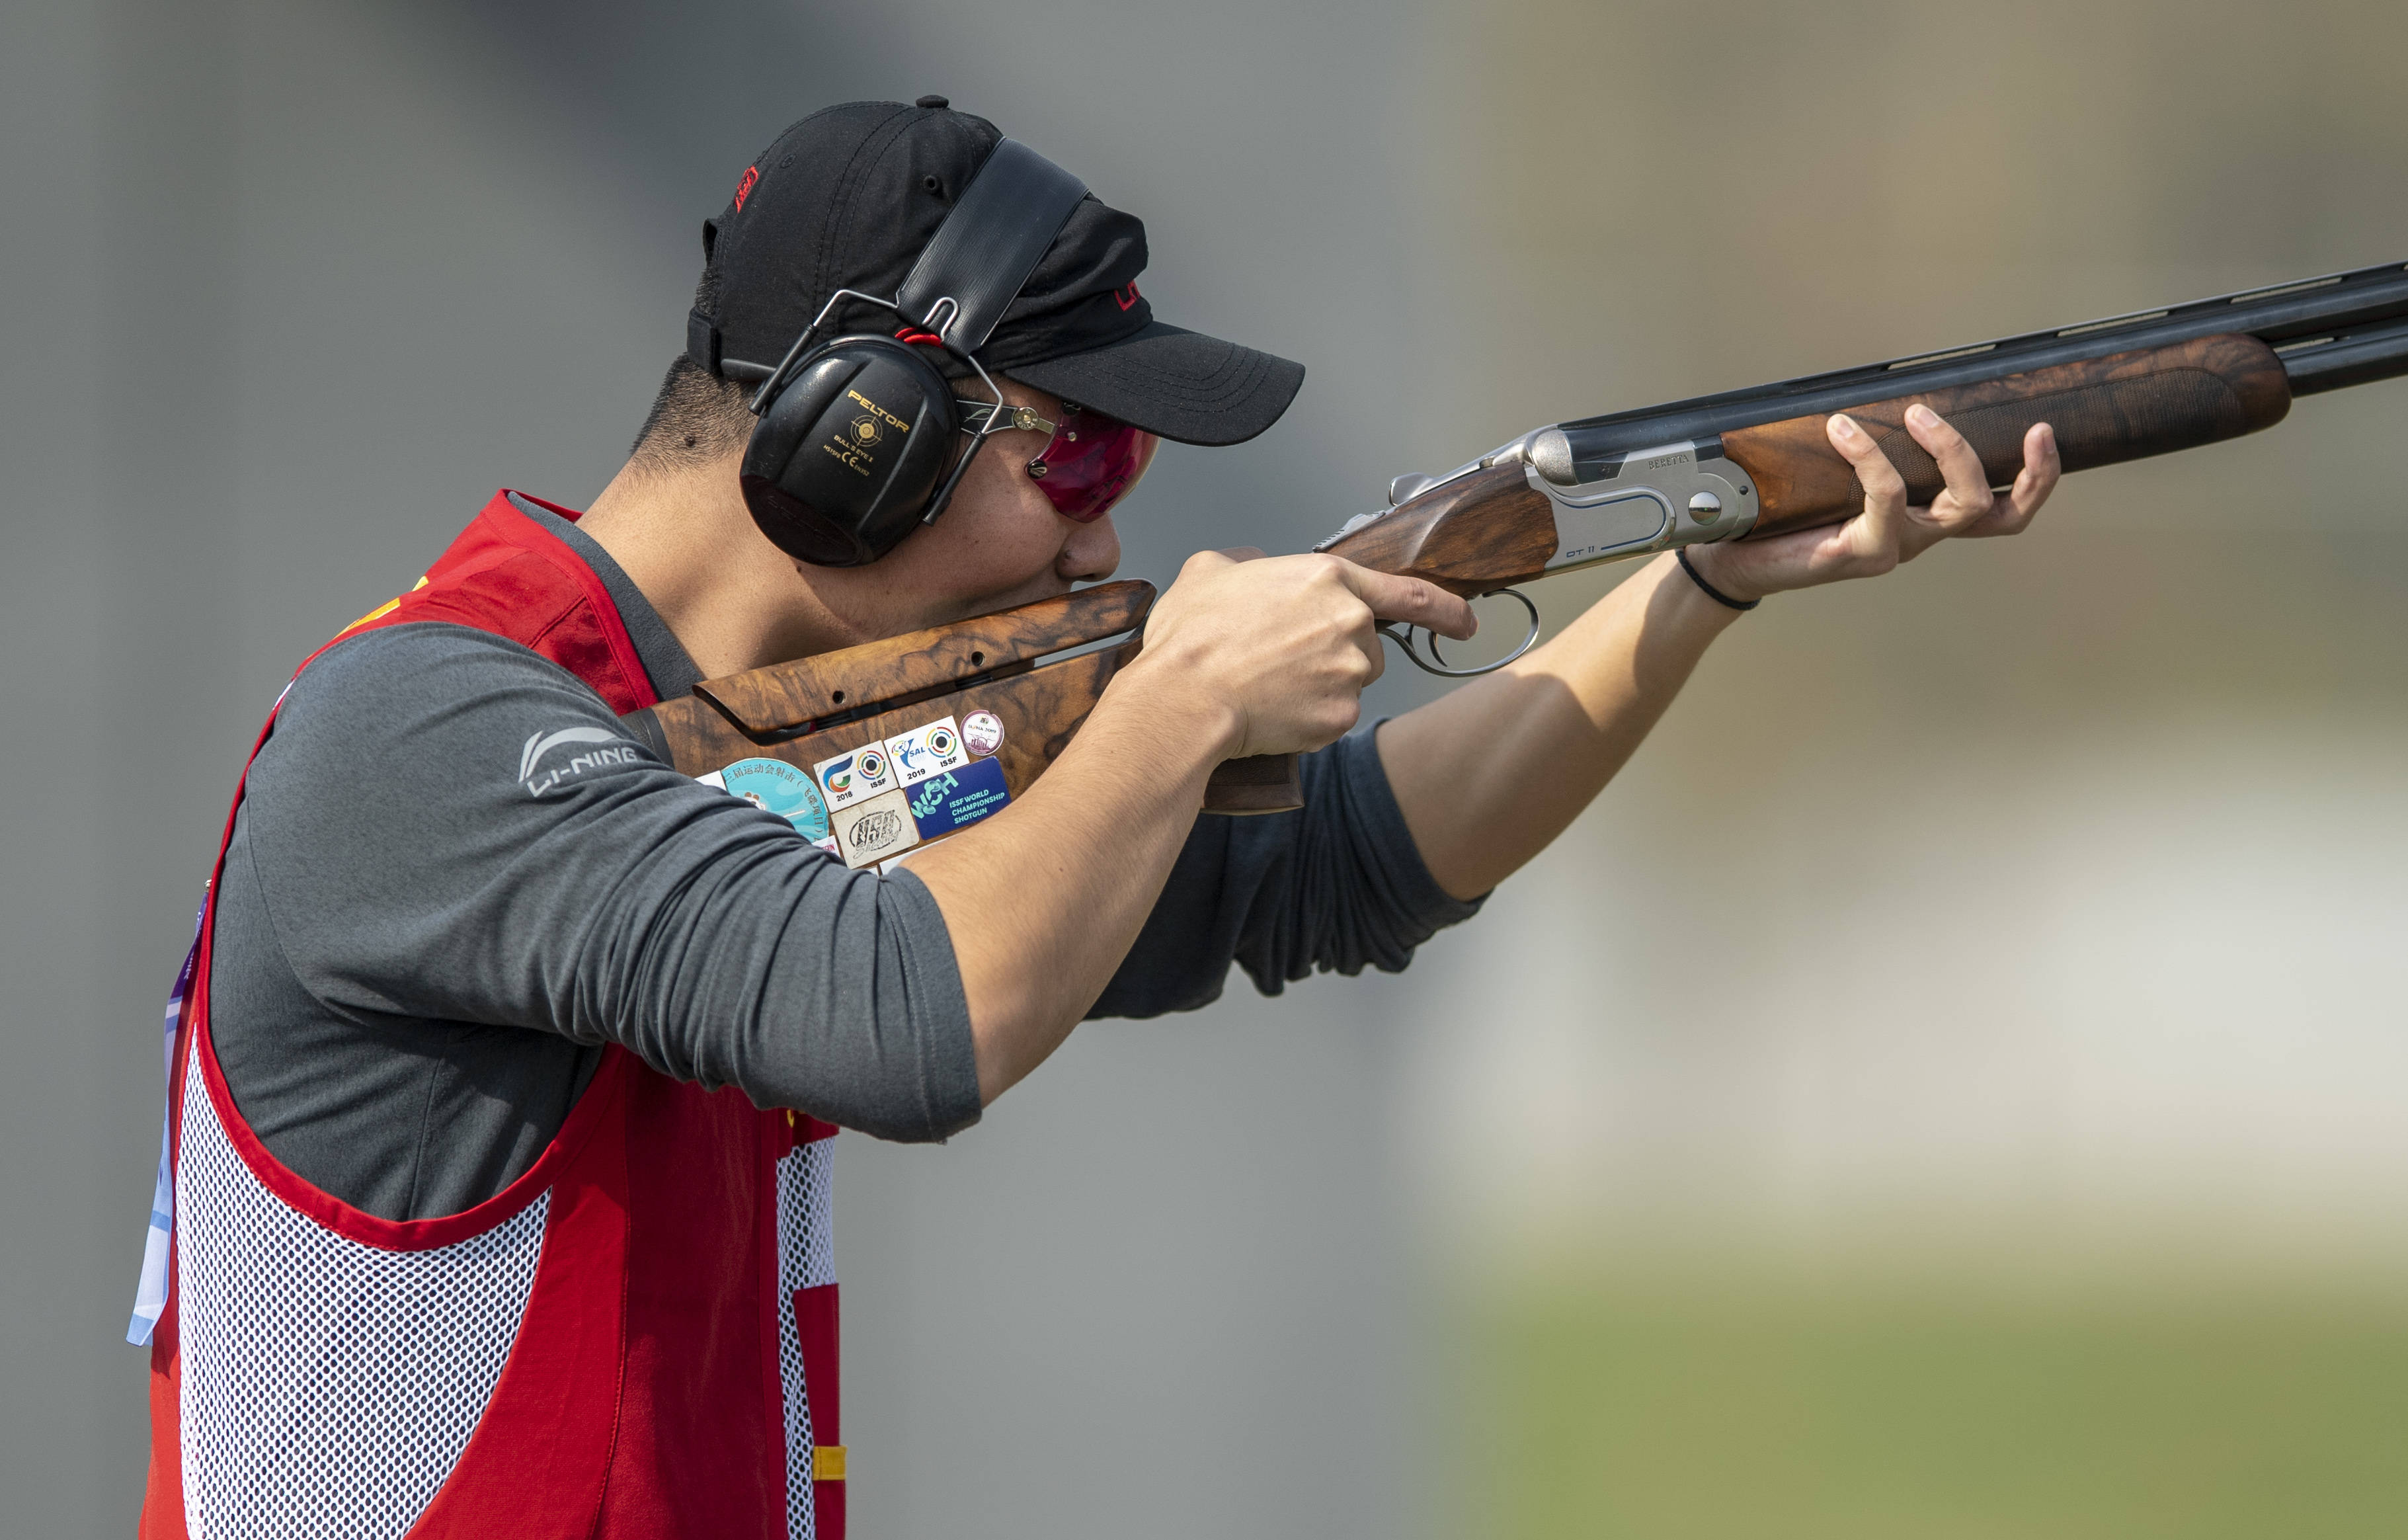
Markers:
<point>1887,531</point>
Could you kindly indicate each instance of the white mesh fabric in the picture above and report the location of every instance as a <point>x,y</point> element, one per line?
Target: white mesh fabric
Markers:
<point>805,1255</point>
<point>329,1386</point>
<point>806,1260</point>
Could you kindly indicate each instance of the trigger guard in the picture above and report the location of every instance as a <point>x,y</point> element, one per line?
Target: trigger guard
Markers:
<point>1436,663</point>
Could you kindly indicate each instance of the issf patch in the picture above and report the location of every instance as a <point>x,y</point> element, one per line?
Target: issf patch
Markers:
<point>855,777</point>
<point>926,751</point>
<point>954,799</point>
<point>776,786</point>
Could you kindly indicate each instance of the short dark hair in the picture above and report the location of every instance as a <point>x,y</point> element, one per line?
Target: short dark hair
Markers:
<point>696,418</point>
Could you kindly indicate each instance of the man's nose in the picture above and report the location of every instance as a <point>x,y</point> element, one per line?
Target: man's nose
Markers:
<point>1092,553</point>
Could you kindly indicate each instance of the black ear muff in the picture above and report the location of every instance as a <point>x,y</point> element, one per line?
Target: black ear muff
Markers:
<point>846,455</point>
<point>853,442</point>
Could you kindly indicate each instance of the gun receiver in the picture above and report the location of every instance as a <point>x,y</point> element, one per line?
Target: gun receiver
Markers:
<point>1745,464</point>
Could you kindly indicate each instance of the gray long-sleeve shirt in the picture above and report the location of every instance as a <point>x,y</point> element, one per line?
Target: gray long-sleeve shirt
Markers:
<point>418,960</point>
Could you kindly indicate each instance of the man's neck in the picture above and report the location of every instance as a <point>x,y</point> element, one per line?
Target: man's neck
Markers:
<point>733,599</point>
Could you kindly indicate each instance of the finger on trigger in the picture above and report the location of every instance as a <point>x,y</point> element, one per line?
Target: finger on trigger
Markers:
<point>1413,601</point>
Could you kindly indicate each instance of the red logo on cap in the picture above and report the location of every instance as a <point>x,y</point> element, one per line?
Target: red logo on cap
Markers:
<point>1126,297</point>
<point>752,175</point>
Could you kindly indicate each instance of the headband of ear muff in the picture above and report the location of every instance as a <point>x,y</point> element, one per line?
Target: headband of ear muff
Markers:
<point>994,237</point>
<point>851,449</point>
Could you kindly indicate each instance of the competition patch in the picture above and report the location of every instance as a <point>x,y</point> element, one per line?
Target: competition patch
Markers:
<point>855,777</point>
<point>924,751</point>
<point>783,789</point>
<point>876,831</point>
<point>954,799</point>
<point>982,733</point>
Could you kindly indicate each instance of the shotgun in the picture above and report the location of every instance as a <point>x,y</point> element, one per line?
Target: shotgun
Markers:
<point>877,749</point>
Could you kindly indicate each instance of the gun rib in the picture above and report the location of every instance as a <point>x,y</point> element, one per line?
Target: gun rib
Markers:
<point>2360,310</point>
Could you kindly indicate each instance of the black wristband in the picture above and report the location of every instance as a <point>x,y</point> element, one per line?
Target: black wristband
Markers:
<point>1682,555</point>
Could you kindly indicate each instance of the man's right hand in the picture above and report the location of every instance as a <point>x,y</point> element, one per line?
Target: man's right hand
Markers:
<point>1244,654</point>
<point>1275,650</point>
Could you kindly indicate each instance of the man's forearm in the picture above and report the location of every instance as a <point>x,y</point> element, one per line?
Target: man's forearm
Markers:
<point>1044,899</point>
<point>1488,775</point>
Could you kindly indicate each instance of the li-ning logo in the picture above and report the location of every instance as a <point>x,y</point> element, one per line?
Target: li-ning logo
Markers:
<point>541,744</point>
<point>1127,298</point>
<point>752,175</point>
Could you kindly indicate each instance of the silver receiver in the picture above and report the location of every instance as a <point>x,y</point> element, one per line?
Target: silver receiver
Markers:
<point>1652,500</point>
<point>1685,493</point>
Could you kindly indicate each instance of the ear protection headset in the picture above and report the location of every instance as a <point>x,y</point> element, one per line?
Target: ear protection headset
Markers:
<point>853,432</point>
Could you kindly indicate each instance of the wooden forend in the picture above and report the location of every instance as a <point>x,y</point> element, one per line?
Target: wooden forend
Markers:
<point>2124,407</point>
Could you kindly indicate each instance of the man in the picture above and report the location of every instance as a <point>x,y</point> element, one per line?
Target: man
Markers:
<point>503,1092</point>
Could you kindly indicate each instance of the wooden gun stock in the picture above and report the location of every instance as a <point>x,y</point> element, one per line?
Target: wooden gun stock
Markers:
<point>1481,531</point>
<point>813,710</point>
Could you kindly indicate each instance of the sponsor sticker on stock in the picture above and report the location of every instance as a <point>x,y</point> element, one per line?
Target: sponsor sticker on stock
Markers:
<point>776,786</point>
<point>956,798</point>
<point>855,777</point>
<point>982,733</point>
<point>876,831</point>
<point>825,842</point>
<point>926,751</point>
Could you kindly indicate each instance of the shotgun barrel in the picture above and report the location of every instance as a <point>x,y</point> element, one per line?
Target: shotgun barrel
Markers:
<point>2328,332</point>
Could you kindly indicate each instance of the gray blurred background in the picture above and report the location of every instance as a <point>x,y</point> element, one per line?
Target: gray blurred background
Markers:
<point>1951,1084</point>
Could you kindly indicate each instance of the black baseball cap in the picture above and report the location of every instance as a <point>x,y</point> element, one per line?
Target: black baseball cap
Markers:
<point>847,199</point>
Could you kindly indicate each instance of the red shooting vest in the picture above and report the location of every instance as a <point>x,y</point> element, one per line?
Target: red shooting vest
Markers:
<point>636,1338</point>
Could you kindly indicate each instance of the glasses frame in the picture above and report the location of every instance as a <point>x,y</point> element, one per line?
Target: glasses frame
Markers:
<point>1026,419</point>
